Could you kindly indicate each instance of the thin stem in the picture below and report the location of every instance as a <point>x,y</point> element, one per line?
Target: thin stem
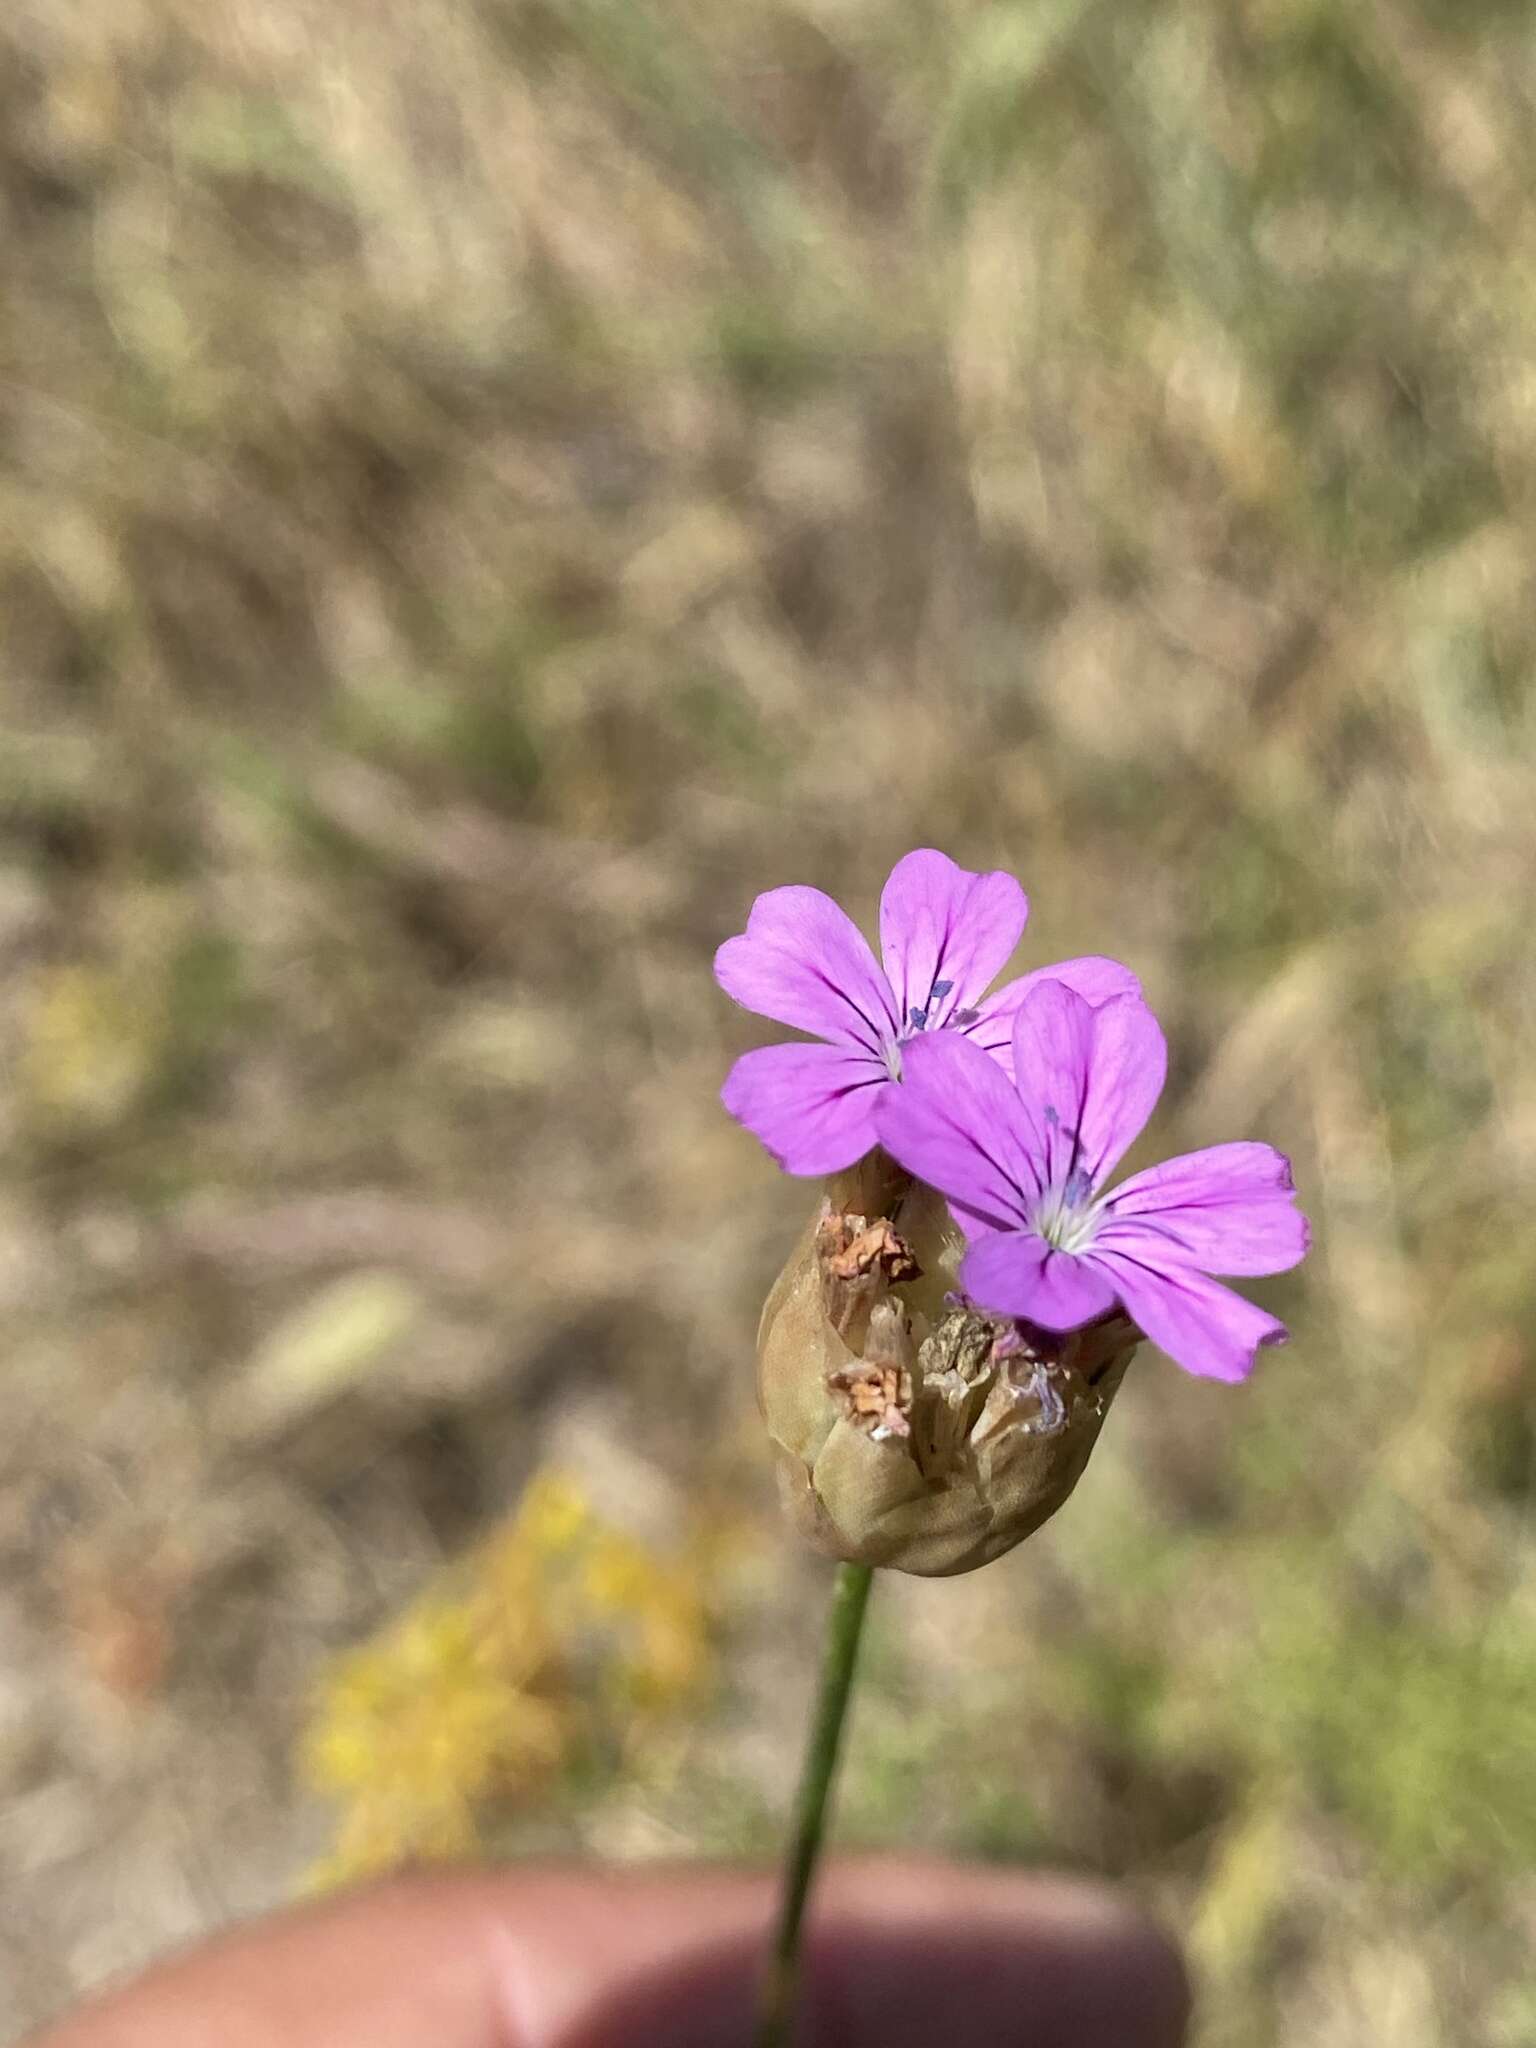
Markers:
<point>845,1624</point>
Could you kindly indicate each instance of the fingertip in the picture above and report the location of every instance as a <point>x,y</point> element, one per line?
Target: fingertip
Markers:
<point>903,1953</point>
<point>916,1951</point>
<point>1130,1972</point>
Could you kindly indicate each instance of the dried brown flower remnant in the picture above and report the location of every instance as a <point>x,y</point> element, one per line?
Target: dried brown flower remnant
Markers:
<point>874,1248</point>
<point>877,1393</point>
<point>877,1398</point>
<point>859,1259</point>
<point>911,1430</point>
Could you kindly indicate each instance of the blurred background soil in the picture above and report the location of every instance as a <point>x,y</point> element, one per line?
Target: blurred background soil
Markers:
<point>486,486</point>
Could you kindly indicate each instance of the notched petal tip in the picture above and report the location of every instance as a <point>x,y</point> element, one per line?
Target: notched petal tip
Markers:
<point>945,931</point>
<point>803,962</point>
<point>1204,1327</point>
<point>1236,1375</point>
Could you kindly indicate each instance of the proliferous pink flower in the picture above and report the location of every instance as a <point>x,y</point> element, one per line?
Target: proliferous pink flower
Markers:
<point>944,935</point>
<point>1022,1160</point>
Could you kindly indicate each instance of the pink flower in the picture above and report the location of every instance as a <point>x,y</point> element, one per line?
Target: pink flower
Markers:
<point>1023,1158</point>
<point>944,935</point>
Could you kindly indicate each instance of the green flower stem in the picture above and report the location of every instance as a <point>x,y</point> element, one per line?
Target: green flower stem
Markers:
<point>845,1625</point>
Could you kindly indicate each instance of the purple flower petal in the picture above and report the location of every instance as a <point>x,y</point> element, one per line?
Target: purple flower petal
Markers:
<point>1228,1209</point>
<point>956,1122</point>
<point>1014,1273</point>
<point>804,962</point>
<point>944,933</point>
<point>1093,977</point>
<point>811,1105</point>
<point>1089,1078</point>
<point>1202,1325</point>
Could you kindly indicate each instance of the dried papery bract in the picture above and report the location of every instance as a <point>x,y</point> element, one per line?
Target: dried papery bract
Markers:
<point>910,1430</point>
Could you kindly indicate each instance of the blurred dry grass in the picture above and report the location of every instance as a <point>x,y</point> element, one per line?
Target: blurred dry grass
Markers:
<point>486,486</point>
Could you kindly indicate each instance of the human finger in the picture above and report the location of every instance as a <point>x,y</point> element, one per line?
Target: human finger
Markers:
<point>901,1952</point>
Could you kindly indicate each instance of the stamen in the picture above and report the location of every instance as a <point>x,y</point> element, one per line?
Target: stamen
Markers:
<point>918,1018</point>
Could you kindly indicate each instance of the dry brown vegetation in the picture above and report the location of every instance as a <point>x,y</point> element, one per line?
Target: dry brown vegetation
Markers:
<point>488,485</point>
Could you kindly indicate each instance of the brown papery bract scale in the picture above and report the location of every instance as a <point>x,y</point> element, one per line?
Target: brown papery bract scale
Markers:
<point>910,1430</point>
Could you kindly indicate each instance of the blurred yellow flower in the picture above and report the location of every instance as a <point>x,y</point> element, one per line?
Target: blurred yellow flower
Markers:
<point>561,1640</point>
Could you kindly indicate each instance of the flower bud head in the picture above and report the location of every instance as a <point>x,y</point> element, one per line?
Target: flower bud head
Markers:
<point>910,1429</point>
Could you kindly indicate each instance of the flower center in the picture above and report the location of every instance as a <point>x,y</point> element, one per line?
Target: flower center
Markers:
<point>1066,1215</point>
